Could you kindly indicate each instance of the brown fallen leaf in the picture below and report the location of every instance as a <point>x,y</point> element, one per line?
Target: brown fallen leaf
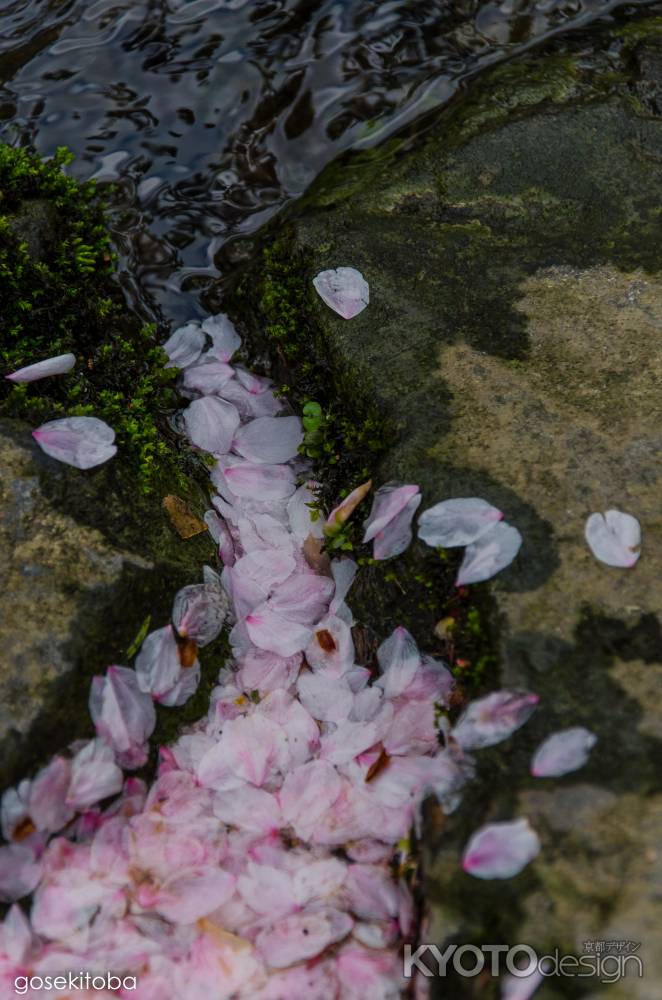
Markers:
<point>316,558</point>
<point>182,518</point>
<point>382,762</point>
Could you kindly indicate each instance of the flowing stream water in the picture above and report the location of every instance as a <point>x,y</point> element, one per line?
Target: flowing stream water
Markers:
<point>210,115</point>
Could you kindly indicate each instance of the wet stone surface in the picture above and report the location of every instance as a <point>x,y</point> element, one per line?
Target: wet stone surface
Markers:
<point>73,594</point>
<point>514,340</point>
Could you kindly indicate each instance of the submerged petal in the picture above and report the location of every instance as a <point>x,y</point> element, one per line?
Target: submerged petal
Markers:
<point>460,521</point>
<point>59,365</point>
<point>83,442</point>
<point>211,424</point>
<point>343,289</point>
<point>614,538</point>
<point>563,752</point>
<point>489,554</point>
<point>501,850</point>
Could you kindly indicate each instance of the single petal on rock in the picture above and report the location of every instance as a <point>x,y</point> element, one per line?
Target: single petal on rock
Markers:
<point>388,502</point>
<point>272,440</point>
<point>614,538</point>
<point>211,424</point>
<point>207,378</point>
<point>396,536</point>
<point>59,365</point>
<point>94,775</point>
<point>184,346</point>
<point>224,338</point>
<point>563,752</point>
<point>489,554</point>
<point>491,719</point>
<point>500,850</point>
<point>457,522</point>
<point>83,442</point>
<point>343,289</point>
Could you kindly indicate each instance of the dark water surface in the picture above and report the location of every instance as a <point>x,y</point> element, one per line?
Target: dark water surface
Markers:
<point>209,115</point>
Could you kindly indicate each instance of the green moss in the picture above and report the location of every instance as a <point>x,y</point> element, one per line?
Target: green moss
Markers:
<point>343,442</point>
<point>56,296</point>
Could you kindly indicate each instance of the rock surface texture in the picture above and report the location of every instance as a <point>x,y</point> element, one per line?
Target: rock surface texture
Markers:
<point>73,593</point>
<point>514,339</point>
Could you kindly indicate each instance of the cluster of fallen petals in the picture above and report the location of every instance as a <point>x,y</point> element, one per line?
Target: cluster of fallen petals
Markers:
<point>262,861</point>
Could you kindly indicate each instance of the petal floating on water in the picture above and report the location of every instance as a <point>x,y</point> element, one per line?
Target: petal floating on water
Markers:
<point>614,538</point>
<point>489,554</point>
<point>563,752</point>
<point>271,440</point>
<point>494,718</point>
<point>59,365</point>
<point>501,850</point>
<point>184,346</point>
<point>344,289</point>
<point>211,424</point>
<point>83,442</point>
<point>460,521</point>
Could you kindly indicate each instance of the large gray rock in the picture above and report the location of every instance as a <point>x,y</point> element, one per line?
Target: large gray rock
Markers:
<point>75,590</point>
<point>513,340</point>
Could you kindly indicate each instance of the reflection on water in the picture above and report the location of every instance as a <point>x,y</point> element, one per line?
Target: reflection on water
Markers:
<point>210,114</point>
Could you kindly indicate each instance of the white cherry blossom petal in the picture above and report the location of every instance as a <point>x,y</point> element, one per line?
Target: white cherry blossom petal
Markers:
<point>343,289</point>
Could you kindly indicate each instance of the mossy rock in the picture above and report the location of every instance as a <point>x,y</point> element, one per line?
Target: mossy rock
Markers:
<point>512,347</point>
<point>87,556</point>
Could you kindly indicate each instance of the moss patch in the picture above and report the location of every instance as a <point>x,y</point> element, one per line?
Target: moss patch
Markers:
<point>57,295</point>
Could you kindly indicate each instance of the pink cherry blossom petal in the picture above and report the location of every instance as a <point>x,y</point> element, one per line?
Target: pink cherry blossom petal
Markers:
<point>494,718</point>
<point>158,667</point>
<point>83,442</point>
<point>563,752</point>
<point>224,338</point>
<point>20,872</point>
<point>500,850</point>
<point>59,365</point>
<point>207,378</point>
<point>270,631</point>
<point>389,501</point>
<point>614,538</point>
<point>302,936</point>
<point>270,440</point>
<point>268,482</point>
<point>396,537</point>
<point>184,346</point>
<point>456,522</point>
<point>94,775</point>
<point>123,715</point>
<point>211,423</point>
<point>399,659</point>
<point>47,805</point>
<point>489,554</point>
<point>199,611</point>
<point>299,514</point>
<point>343,289</point>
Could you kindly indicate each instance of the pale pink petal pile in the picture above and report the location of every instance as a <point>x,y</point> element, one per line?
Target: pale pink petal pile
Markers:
<point>563,752</point>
